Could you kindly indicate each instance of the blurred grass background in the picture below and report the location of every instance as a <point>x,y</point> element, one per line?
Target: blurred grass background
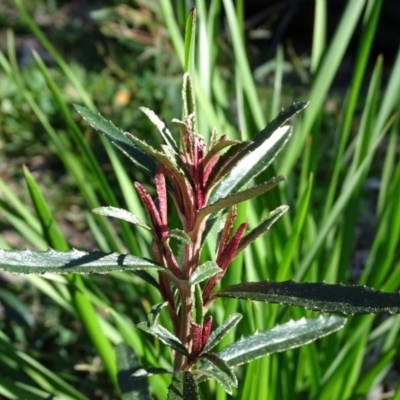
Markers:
<point>342,167</point>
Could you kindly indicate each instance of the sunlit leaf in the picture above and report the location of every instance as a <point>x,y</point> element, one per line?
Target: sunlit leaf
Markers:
<point>204,271</point>
<point>116,136</point>
<point>283,337</point>
<point>319,296</point>
<point>222,330</point>
<point>164,335</point>
<point>66,262</point>
<point>121,214</point>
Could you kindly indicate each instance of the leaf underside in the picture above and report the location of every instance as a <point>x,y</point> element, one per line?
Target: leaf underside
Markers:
<point>73,261</point>
<point>334,298</point>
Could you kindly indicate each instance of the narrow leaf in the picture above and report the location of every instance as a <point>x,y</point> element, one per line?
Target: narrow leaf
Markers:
<point>222,366</point>
<point>121,214</point>
<point>262,228</point>
<point>317,296</point>
<point>155,313</point>
<point>66,262</point>
<point>244,195</point>
<point>256,160</point>
<point>164,335</point>
<point>218,147</point>
<point>127,364</point>
<point>204,271</point>
<point>220,377</point>
<point>116,136</point>
<point>163,129</point>
<point>183,387</point>
<point>180,235</point>
<point>221,331</point>
<point>283,337</point>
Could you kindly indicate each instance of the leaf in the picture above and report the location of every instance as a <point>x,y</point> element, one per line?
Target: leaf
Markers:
<point>283,337</point>
<point>127,364</point>
<point>116,136</point>
<point>163,129</point>
<point>218,147</point>
<point>180,235</point>
<point>155,313</point>
<point>317,296</point>
<point>66,262</point>
<point>244,195</point>
<point>222,330</point>
<point>197,310</point>
<point>204,271</point>
<point>221,365</point>
<point>121,214</point>
<point>145,372</point>
<point>214,373</point>
<point>256,157</point>
<point>262,228</point>
<point>255,161</point>
<point>164,335</point>
<point>183,387</point>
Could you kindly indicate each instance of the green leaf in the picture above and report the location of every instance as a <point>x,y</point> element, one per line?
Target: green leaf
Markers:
<point>283,337</point>
<point>164,335</point>
<point>127,364</point>
<point>244,195</point>
<point>121,214</point>
<point>116,136</point>
<point>155,313</point>
<point>66,262</point>
<point>317,296</point>
<point>183,387</point>
<point>222,330</point>
<point>221,365</point>
<point>162,127</point>
<point>262,228</point>
<point>253,163</point>
<point>204,271</point>
<point>197,309</point>
<point>190,41</point>
<point>256,157</point>
<point>210,372</point>
<point>180,235</point>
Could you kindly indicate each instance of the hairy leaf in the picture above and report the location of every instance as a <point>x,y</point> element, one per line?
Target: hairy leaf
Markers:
<point>317,296</point>
<point>263,227</point>
<point>164,335</point>
<point>222,330</point>
<point>121,214</point>
<point>236,198</point>
<point>280,338</point>
<point>180,235</point>
<point>222,366</point>
<point>127,363</point>
<point>116,136</point>
<point>66,262</point>
<point>155,313</point>
<point>210,372</point>
<point>204,271</point>
<point>163,129</point>
<point>183,387</point>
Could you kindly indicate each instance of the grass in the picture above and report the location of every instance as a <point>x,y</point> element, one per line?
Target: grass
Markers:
<point>328,165</point>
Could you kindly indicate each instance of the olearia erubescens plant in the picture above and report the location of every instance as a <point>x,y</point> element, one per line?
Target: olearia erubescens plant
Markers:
<point>204,182</point>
